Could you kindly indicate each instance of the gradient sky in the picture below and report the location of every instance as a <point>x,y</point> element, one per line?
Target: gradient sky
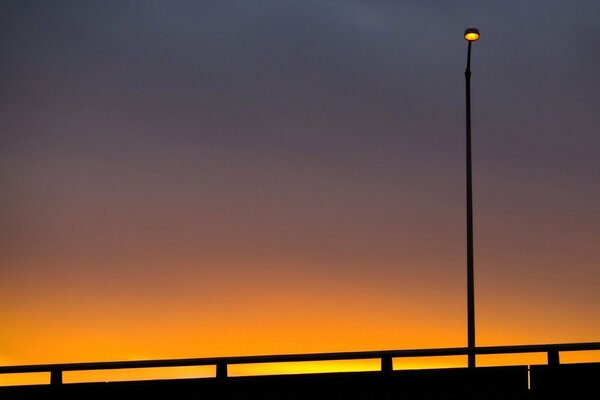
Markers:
<point>211,178</point>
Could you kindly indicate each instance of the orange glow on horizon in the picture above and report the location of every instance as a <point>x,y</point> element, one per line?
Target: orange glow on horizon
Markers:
<point>286,313</point>
<point>162,304</point>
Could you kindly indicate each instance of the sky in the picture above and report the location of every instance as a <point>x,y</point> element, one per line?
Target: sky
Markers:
<point>218,178</point>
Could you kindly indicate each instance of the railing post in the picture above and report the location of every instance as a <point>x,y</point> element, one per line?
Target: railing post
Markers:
<point>553,357</point>
<point>221,370</point>
<point>56,377</point>
<point>387,365</point>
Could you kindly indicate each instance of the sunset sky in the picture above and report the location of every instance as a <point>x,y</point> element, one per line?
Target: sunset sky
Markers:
<point>219,178</point>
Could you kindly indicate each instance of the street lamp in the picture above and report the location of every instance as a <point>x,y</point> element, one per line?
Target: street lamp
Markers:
<point>471,35</point>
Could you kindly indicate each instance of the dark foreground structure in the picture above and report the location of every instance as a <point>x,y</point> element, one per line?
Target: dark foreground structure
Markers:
<point>550,381</point>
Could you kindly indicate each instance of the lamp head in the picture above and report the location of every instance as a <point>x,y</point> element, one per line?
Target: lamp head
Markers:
<point>472,34</point>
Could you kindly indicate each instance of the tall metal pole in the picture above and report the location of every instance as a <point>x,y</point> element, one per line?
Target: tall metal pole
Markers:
<point>470,277</point>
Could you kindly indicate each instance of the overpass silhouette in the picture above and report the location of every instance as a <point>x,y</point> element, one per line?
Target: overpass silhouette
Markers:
<point>553,380</point>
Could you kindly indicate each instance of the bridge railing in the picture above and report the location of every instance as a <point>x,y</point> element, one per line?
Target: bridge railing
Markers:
<point>221,363</point>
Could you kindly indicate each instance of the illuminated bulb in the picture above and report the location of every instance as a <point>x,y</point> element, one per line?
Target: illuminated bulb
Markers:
<point>472,34</point>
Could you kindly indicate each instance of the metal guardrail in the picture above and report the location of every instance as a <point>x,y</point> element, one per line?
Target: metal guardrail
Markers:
<point>221,363</point>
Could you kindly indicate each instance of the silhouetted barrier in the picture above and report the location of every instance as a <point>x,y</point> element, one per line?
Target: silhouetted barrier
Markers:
<point>456,383</point>
<point>547,381</point>
<point>581,380</point>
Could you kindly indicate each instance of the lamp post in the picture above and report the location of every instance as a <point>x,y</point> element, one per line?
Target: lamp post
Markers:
<point>471,35</point>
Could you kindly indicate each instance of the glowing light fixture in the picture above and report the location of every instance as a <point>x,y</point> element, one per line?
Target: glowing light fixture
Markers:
<point>472,34</point>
